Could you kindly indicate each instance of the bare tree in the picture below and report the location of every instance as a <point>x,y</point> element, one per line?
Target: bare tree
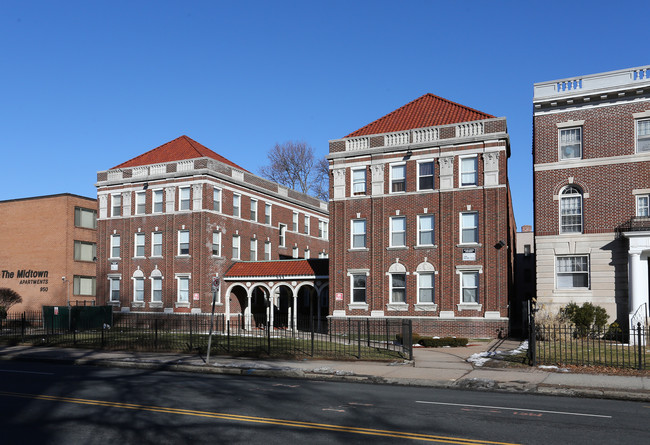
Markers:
<point>321,186</point>
<point>292,164</point>
<point>8,297</point>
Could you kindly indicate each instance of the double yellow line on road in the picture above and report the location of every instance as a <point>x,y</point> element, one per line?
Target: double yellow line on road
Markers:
<point>264,420</point>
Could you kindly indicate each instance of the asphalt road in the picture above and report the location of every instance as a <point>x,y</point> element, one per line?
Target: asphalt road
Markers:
<point>60,404</point>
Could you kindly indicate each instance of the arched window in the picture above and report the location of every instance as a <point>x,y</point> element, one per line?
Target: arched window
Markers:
<point>571,210</point>
<point>397,273</point>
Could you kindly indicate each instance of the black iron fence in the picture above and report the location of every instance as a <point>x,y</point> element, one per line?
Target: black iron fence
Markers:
<point>607,346</point>
<point>362,338</point>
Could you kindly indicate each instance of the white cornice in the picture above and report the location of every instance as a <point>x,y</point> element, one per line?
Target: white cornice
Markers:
<point>597,162</point>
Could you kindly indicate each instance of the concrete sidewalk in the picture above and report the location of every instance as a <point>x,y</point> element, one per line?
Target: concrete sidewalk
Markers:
<point>432,367</point>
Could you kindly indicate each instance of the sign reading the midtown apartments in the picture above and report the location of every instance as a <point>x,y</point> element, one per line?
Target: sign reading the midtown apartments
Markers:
<point>27,276</point>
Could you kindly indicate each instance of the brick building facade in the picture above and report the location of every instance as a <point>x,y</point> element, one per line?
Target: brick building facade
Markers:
<point>48,254</point>
<point>175,218</point>
<point>591,154</point>
<point>422,223</point>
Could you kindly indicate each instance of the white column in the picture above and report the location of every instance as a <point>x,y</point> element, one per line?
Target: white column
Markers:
<point>248,312</point>
<point>294,311</point>
<point>271,311</point>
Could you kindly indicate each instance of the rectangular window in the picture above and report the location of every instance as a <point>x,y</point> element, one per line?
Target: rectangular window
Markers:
<point>469,287</point>
<point>216,200</point>
<point>184,196</point>
<point>572,272</point>
<point>267,214</point>
<point>216,243</point>
<point>156,244</point>
<point>115,246</point>
<point>85,251</point>
<point>294,252</point>
<point>425,287</point>
<point>571,143</point>
<point>469,227</point>
<point>323,229</point>
<point>643,135</point>
<point>294,223</point>
<point>359,288</point>
<point>84,286</point>
<point>425,175</point>
<point>157,196</point>
<point>235,247</point>
<point>425,230</point>
<point>139,245</point>
<point>306,225</point>
<point>114,286</point>
<point>267,251</point>
<point>398,178</point>
<point>398,231</point>
<point>140,203</point>
<point>282,229</point>
<point>183,242</point>
<point>156,289</point>
<point>183,289</point>
<point>138,289</point>
<point>116,205</point>
<point>358,233</point>
<point>359,181</point>
<point>236,201</point>
<point>398,288</point>
<point>642,205</point>
<point>469,171</point>
<point>85,218</point>
<point>307,254</point>
<point>253,209</point>
<point>253,250</point>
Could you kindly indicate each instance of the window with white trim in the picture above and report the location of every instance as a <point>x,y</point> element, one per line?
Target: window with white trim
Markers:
<point>183,289</point>
<point>85,218</point>
<point>267,214</point>
<point>572,272</point>
<point>216,200</point>
<point>643,205</point>
<point>140,203</point>
<point>114,288</point>
<point>157,199</point>
<point>216,243</point>
<point>425,175</point>
<point>282,231</point>
<point>358,288</point>
<point>115,246</point>
<point>307,253</point>
<point>398,178</point>
<point>398,231</point>
<point>253,249</point>
<point>469,227</point>
<point>253,209</point>
<point>236,202</point>
<point>85,251</point>
<point>156,244</point>
<point>138,288</point>
<point>183,242</point>
<point>468,171</point>
<point>570,210</point>
<point>116,205</point>
<point>643,135</point>
<point>184,198</point>
<point>426,230</point>
<point>307,224</point>
<point>138,249</point>
<point>267,251</point>
<point>294,222</point>
<point>235,247</point>
<point>358,233</point>
<point>85,286</point>
<point>570,143</point>
<point>398,288</point>
<point>156,289</point>
<point>426,283</point>
<point>359,181</point>
<point>323,229</point>
<point>294,252</point>
<point>469,287</point>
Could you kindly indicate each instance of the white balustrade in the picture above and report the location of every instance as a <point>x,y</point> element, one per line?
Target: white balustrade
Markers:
<point>158,169</point>
<point>469,129</point>
<point>361,143</point>
<point>184,166</point>
<point>426,135</point>
<point>393,139</point>
<point>115,174</point>
<point>139,172</point>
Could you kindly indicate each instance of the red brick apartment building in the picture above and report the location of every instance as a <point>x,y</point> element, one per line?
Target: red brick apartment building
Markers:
<point>422,222</point>
<point>175,218</point>
<point>49,250</point>
<point>591,154</point>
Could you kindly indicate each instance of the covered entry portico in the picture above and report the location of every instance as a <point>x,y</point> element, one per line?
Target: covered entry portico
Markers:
<point>284,294</point>
<point>638,276</point>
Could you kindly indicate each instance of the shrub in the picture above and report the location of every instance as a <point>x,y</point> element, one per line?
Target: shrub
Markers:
<point>445,341</point>
<point>415,338</point>
<point>584,317</point>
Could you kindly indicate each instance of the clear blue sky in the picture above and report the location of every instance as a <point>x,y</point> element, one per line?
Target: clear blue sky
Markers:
<point>86,85</point>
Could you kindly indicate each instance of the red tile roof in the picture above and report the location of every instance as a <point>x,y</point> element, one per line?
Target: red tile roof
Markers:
<point>311,267</point>
<point>179,149</point>
<point>425,111</point>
